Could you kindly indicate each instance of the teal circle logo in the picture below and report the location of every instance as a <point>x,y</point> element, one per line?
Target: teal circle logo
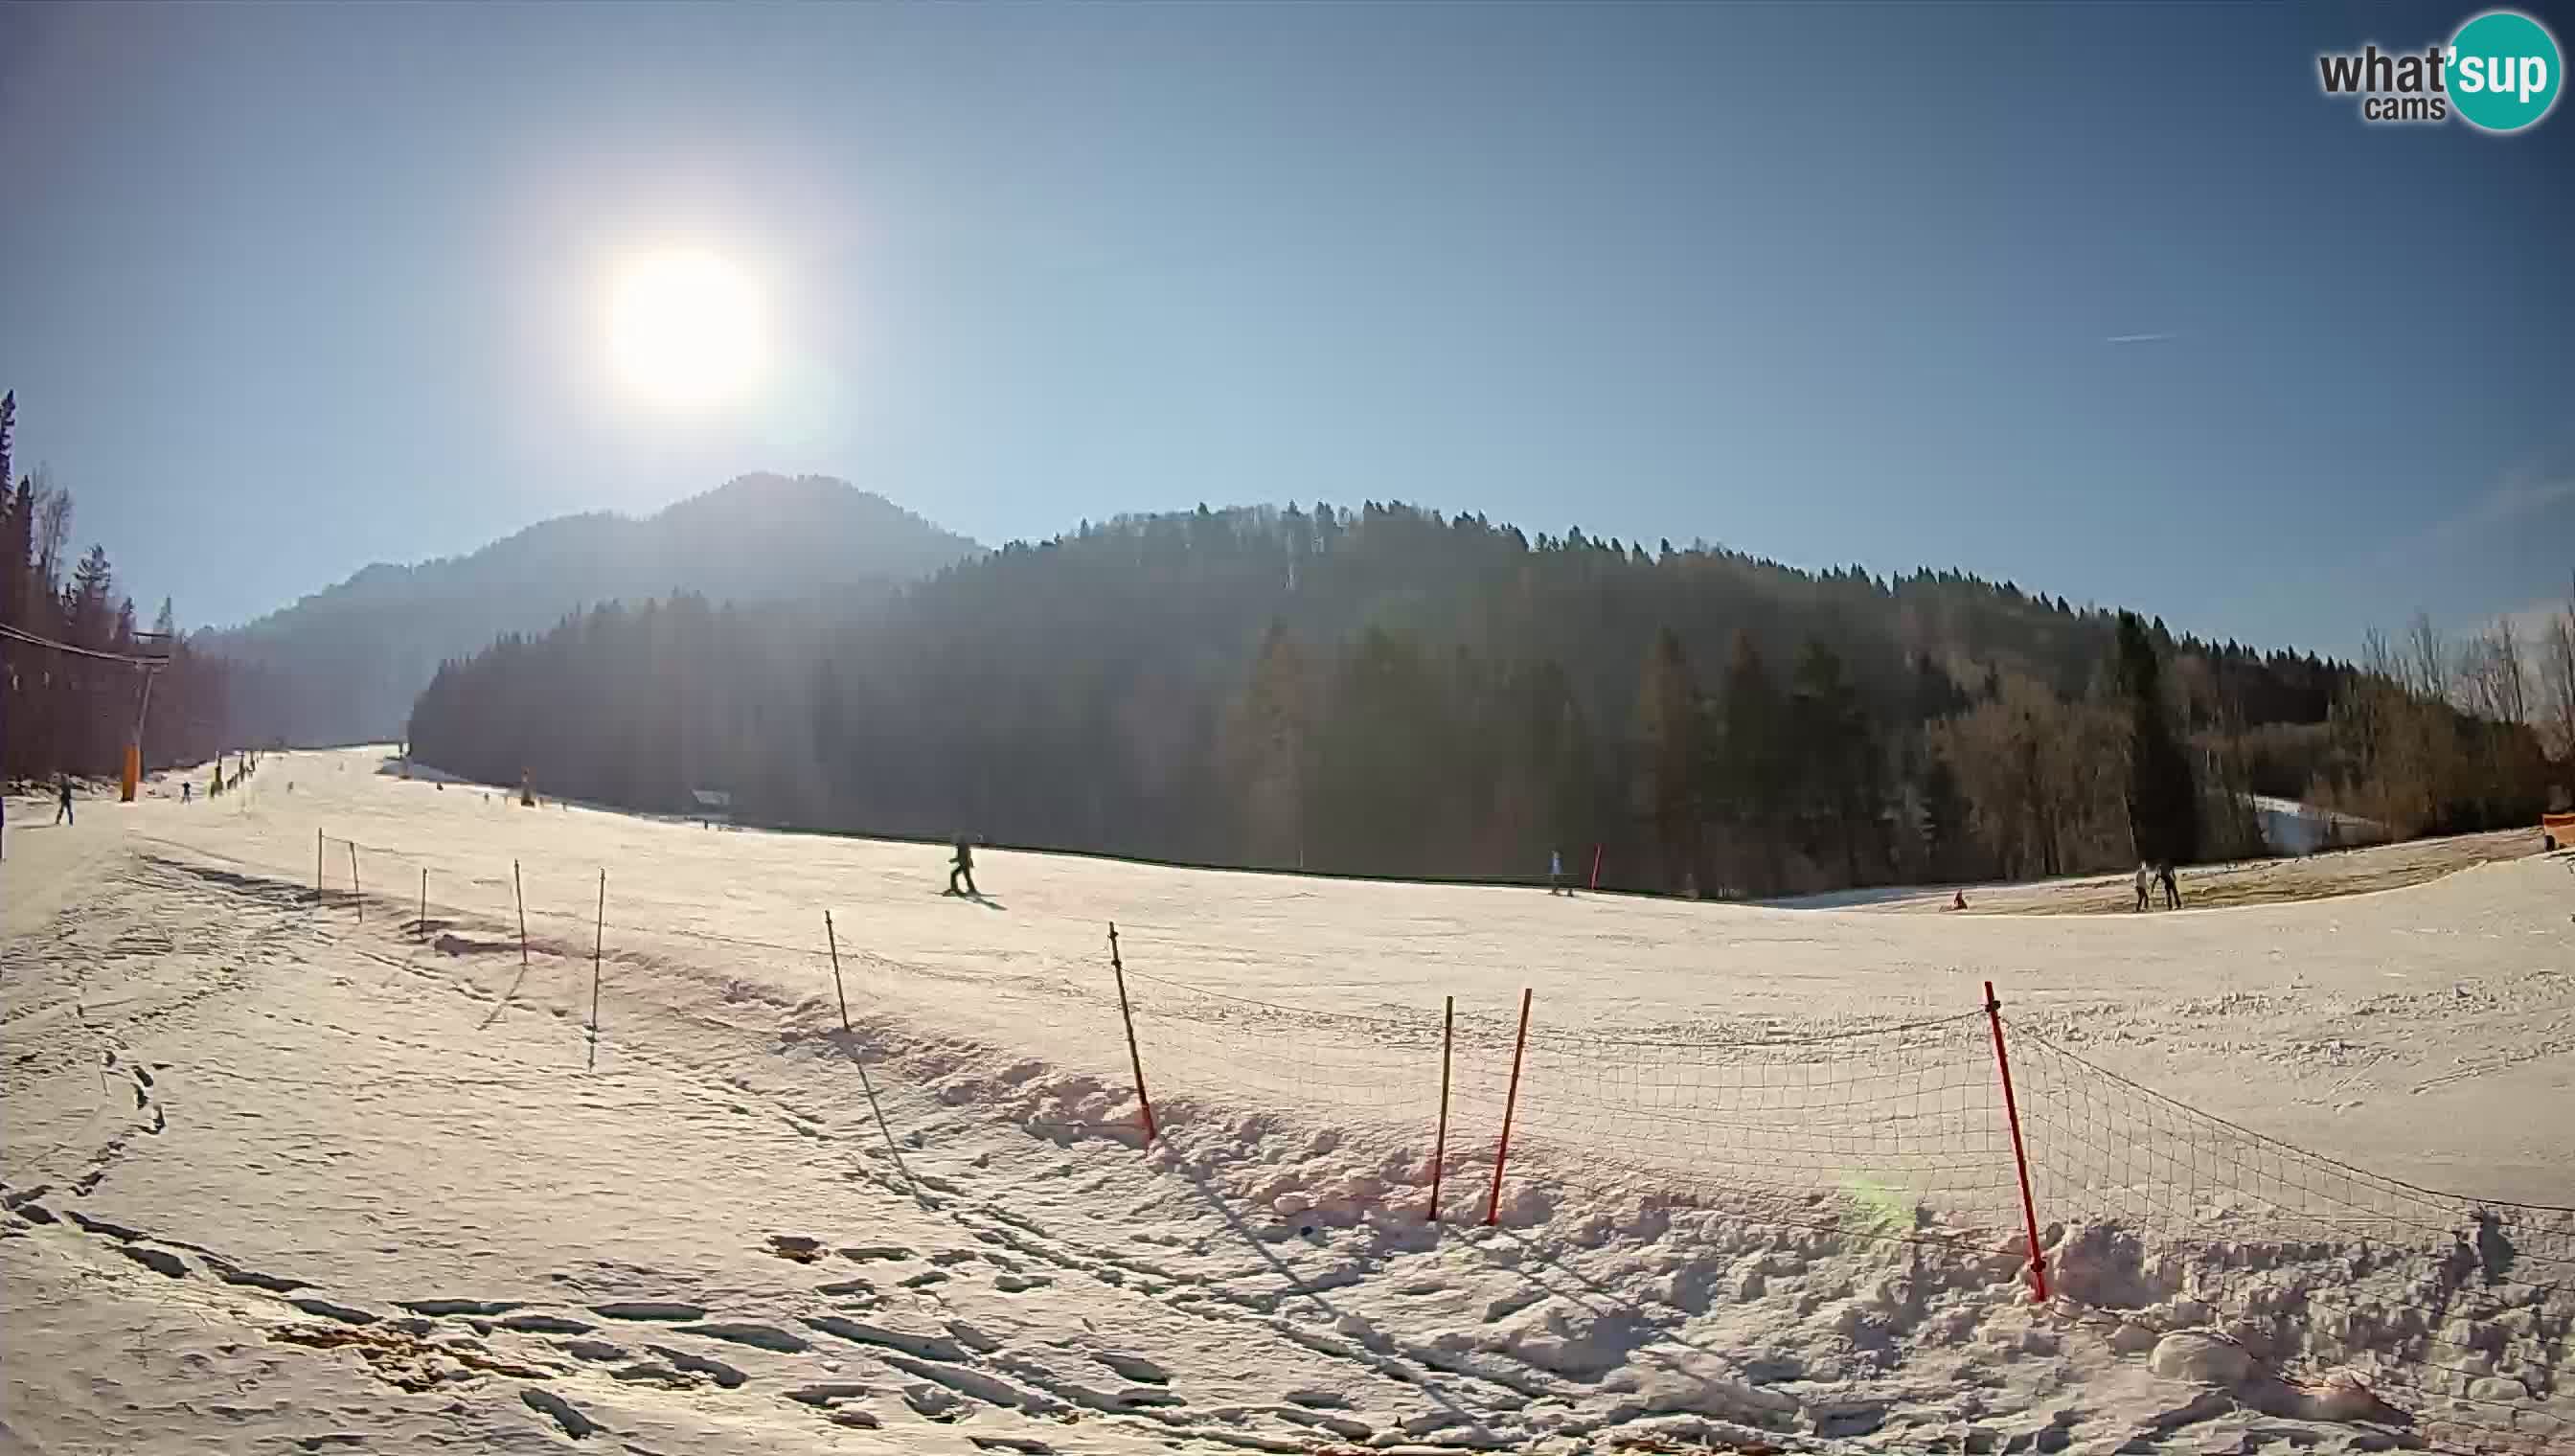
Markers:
<point>2505,71</point>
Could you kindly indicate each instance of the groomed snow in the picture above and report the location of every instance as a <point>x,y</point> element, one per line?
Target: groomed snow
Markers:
<point>278,1175</point>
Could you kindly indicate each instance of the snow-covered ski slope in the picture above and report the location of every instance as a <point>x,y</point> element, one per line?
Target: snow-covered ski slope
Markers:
<point>283,1171</point>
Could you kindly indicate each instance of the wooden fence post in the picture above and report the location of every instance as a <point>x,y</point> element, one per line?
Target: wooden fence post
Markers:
<point>849,1044</point>
<point>833,938</point>
<point>1440,1145</point>
<point>598,943</point>
<point>1511,1103</point>
<point>1135,1059</point>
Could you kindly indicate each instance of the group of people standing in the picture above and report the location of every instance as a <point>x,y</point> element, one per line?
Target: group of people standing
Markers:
<point>2151,875</point>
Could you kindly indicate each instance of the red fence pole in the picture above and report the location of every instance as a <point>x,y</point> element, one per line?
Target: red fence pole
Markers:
<point>1595,867</point>
<point>2012,1112</point>
<point>422,929</point>
<point>1502,1149</point>
<point>520,894</point>
<point>1440,1146</point>
<point>317,865</point>
<point>356,896</point>
<point>1134,1057</point>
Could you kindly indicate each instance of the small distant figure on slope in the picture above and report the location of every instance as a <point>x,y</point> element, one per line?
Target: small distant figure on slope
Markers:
<point>63,792</point>
<point>187,790</point>
<point>963,866</point>
<point>1958,900</point>
<point>1555,872</point>
<point>2173,889</point>
<point>2145,880</point>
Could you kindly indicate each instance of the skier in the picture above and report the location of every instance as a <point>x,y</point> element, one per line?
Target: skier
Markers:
<point>2172,891</point>
<point>1958,900</point>
<point>962,865</point>
<point>2145,878</point>
<point>1555,871</point>
<point>187,790</point>
<point>64,814</point>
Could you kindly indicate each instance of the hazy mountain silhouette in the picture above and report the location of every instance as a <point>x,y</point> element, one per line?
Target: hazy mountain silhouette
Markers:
<point>343,664</point>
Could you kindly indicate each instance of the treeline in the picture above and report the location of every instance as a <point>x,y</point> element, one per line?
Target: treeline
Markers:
<point>67,713</point>
<point>2441,737</point>
<point>1389,691</point>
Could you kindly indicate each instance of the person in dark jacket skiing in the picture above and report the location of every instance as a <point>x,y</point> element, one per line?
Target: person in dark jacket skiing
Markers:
<point>962,865</point>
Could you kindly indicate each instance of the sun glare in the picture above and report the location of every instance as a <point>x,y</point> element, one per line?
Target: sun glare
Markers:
<point>684,329</point>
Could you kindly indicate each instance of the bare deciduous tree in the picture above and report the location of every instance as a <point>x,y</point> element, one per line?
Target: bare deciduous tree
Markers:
<point>2557,679</point>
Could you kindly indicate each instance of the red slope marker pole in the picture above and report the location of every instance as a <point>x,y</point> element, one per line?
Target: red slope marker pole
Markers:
<point>520,894</point>
<point>1135,1059</point>
<point>356,896</point>
<point>1595,867</point>
<point>1510,1102</point>
<point>2012,1112</point>
<point>1440,1146</point>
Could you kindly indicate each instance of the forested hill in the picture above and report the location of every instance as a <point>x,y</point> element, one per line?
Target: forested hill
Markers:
<point>344,664</point>
<point>1390,691</point>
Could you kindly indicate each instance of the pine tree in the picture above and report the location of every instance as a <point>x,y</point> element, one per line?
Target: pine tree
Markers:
<point>2163,804</point>
<point>17,552</point>
<point>93,611</point>
<point>1274,729</point>
<point>1668,720</point>
<point>1944,819</point>
<point>1750,770</point>
<point>1840,776</point>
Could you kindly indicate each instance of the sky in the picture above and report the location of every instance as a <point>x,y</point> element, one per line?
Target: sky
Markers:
<point>2105,299</point>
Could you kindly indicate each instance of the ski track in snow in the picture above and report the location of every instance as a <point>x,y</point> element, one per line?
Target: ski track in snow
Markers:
<point>276,1178</point>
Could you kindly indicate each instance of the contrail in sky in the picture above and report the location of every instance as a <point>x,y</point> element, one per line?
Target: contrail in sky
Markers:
<point>2139,338</point>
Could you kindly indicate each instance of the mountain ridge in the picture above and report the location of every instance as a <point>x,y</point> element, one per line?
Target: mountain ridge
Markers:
<point>343,663</point>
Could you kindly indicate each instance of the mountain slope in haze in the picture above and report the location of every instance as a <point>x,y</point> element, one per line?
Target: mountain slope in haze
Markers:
<point>343,664</point>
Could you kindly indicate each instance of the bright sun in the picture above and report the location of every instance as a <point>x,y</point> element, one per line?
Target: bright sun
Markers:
<point>684,329</point>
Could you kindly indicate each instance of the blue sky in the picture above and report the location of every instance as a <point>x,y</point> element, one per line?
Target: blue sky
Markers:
<point>286,291</point>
